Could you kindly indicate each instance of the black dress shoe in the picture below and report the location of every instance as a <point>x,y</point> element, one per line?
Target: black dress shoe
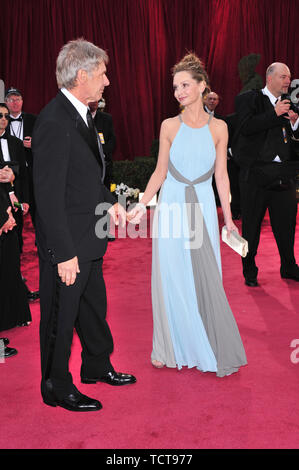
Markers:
<point>5,341</point>
<point>290,273</point>
<point>32,295</point>
<point>9,352</point>
<point>74,401</point>
<point>111,378</point>
<point>251,282</point>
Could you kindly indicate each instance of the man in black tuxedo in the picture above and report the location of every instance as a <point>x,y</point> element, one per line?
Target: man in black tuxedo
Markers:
<point>21,125</point>
<point>68,175</point>
<point>14,305</point>
<point>12,154</point>
<point>263,148</point>
<point>104,125</point>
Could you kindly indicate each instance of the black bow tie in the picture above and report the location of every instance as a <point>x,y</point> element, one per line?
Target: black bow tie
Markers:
<point>3,136</point>
<point>16,119</point>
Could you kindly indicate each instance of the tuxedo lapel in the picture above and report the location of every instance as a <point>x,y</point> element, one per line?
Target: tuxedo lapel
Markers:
<point>80,125</point>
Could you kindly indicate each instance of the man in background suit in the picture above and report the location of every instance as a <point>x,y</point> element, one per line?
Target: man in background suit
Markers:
<point>211,102</point>
<point>14,304</point>
<point>68,175</point>
<point>21,126</point>
<point>12,154</point>
<point>263,148</point>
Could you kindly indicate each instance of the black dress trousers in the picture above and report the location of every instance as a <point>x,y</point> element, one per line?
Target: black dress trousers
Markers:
<point>81,306</point>
<point>282,207</point>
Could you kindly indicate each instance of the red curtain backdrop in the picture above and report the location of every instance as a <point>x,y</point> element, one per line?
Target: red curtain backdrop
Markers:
<point>144,39</point>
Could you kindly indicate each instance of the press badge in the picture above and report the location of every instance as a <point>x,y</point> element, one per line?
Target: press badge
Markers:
<point>101,135</point>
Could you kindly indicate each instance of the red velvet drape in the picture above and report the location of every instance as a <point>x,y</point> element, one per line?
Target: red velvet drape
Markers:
<point>144,38</point>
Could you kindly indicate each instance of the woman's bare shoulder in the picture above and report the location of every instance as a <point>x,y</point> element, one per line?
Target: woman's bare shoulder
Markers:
<point>171,122</point>
<point>219,124</point>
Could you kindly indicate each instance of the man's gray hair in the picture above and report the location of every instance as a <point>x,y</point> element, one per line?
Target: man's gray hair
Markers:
<point>75,55</point>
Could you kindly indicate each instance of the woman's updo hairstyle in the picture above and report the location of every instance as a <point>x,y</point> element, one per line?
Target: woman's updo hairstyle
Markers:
<point>192,64</point>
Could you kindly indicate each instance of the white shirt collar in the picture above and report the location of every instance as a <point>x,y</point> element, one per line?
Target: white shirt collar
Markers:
<point>268,93</point>
<point>16,117</point>
<point>208,110</point>
<point>80,107</point>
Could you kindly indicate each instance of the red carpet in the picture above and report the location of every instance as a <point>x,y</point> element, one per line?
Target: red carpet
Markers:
<point>258,408</point>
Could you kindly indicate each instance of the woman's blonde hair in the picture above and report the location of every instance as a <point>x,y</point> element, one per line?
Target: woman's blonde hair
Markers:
<point>192,64</point>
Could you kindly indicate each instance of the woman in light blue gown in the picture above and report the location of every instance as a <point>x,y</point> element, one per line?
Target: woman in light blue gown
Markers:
<point>193,323</point>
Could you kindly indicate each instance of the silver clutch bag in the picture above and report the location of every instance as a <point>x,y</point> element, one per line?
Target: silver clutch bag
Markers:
<point>235,241</point>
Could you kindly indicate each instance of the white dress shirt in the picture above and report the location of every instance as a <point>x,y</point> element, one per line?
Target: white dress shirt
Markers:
<point>16,127</point>
<point>80,107</point>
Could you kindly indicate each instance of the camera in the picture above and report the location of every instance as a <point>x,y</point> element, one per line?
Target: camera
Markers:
<point>288,96</point>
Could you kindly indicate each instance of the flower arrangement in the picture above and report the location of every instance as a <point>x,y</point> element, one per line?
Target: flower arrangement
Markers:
<point>123,190</point>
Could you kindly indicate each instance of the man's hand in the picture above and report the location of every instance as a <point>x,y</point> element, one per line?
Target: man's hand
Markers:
<point>292,116</point>
<point>9,224</point>
<point>27,142</point>
<point>282,107</point>
<point>118,214</point>
<point>13,198</point>
<point>6,175</point>
<point>25,208</point>
<point>68,271</point>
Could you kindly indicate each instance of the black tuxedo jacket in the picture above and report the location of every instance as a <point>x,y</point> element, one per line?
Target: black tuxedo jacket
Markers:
<point>18,165</point>
<point>68,187</point>
<point>103,122</point>
<point>28,125</point>
<point>4,204</point>
<point>255,116</point>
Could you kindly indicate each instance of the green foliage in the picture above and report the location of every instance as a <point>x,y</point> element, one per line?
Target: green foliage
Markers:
<point>134,173</point>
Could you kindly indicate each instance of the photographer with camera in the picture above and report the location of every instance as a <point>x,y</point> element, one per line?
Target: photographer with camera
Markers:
<point>263,148</point>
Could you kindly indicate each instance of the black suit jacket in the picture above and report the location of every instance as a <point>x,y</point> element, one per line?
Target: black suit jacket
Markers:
<point>28,126</point>
<point>255,116</point>
<point>4,204</point>
<point>18,165</point>
<point>68,186</point>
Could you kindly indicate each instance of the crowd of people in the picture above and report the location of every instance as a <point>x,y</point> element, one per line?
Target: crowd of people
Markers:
<point>198,151</point>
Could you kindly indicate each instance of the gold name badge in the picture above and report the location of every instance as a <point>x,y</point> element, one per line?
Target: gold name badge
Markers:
<point>101,137</point>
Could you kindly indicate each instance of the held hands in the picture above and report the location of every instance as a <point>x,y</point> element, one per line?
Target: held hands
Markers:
<point>134,216</point>
<point>68,271</point>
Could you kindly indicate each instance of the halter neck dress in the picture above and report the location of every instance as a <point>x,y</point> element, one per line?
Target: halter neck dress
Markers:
<point>193,324</point>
